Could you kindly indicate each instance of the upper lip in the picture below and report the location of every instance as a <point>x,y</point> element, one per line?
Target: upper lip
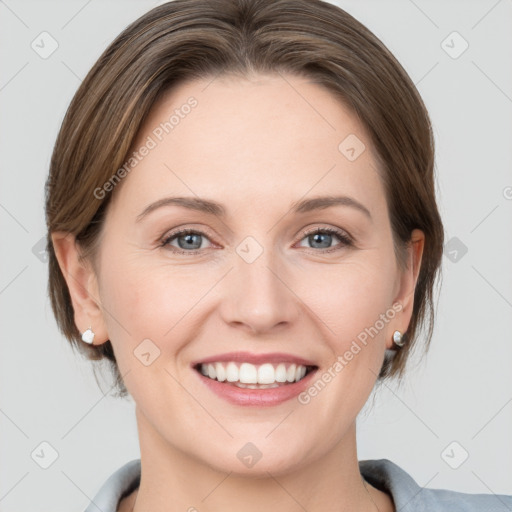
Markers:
<point>248,357</point>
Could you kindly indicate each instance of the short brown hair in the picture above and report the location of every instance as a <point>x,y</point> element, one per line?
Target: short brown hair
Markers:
<point>194,39</point>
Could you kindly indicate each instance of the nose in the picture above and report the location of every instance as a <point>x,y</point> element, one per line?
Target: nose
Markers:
<point>257,295</point>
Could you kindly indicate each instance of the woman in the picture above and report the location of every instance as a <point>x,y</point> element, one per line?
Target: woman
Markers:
<point>210,149</point>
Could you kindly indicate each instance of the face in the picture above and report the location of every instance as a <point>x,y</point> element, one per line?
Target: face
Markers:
<point>264,278</point>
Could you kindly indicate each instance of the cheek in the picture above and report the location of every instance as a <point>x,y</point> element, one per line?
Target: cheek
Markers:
<point>147,300</point>
<point>349,306</point>
<point>351,296</point>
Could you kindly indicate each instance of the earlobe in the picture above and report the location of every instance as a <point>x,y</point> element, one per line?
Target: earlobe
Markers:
<point>82,285</point>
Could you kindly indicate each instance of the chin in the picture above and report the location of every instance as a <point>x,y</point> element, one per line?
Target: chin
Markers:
<point>256,459</point>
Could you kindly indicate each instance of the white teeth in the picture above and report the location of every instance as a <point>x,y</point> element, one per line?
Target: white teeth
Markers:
<point>231,372</point>
<point>290,374</point>
<point>265,374</point>
<point>280,373</point>
<point>256,386</point>
<point>248,375</point>
<point>221,372</point>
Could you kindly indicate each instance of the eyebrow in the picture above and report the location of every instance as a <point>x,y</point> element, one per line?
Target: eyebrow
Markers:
<point>216,209</point>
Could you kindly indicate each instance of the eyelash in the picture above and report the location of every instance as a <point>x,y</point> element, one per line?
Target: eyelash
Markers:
<point>344,238</point>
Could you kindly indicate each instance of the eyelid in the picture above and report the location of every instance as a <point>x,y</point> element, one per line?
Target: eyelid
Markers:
<point>329,229</point>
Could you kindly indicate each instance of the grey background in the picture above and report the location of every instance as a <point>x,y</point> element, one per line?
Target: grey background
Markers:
<point>461,392</point>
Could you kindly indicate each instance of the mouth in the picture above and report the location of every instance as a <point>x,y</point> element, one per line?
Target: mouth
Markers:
<point>254,376</point>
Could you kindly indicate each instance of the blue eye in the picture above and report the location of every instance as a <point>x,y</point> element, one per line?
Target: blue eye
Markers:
<point>324,236</point>
<point>189,240</point>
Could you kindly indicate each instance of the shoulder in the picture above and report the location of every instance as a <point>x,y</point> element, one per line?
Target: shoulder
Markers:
<point>118,485</point>
<point>409,496</point>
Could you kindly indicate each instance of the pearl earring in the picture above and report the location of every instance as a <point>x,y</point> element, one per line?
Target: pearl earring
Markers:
<point>398,338</point>
<point>88,336</point>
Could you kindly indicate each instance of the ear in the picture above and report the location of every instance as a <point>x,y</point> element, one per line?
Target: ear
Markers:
<point>82,284</point>
<point>407,284</point>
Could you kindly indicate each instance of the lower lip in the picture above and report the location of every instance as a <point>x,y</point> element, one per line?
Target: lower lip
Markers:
<point>257,397</point>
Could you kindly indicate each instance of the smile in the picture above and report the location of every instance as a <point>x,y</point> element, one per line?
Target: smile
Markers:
<point>247,375</point>
<point>258,385</point>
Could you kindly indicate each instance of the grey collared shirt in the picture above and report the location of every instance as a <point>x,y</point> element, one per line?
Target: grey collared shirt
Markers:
<point>383,474</point>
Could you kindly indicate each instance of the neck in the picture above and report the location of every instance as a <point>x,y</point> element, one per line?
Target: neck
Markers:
<point>172,480</point>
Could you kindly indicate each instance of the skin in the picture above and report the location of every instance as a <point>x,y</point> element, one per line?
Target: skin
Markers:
<point>255,145</point>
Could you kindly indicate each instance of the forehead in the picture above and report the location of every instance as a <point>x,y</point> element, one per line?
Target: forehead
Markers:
<point>255,138</point>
